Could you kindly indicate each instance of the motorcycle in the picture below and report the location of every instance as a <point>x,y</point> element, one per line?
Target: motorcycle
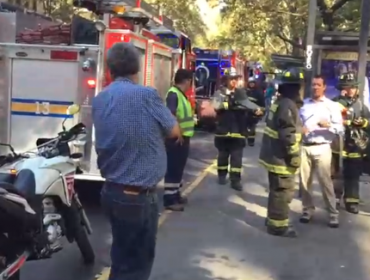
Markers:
<point>39,203</point>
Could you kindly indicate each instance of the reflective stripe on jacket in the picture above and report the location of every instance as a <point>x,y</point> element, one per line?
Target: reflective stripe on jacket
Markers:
<point>184,113</point>
<point>231,116</point>
<point>282,137</point>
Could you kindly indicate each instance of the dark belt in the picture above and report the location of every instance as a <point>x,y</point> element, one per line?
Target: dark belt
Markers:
<point>134,190</point>
<point>313,144</point>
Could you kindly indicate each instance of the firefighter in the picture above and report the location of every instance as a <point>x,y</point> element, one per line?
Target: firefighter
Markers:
<point>256,96</point>
<point>231,105</point>
<point>335,147</point>
<point>355,141</point>
<point>178,150</point>
<point>280,152</point>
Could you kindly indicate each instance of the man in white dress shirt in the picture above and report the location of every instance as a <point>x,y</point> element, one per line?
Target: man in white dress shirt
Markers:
<point>322,121</point>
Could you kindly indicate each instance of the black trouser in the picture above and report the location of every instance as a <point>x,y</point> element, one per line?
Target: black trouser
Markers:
<point>280,195</point>
<point>177,155</point>
<point>352,170</point>
<point>230,151</point>
<point>134,223</point>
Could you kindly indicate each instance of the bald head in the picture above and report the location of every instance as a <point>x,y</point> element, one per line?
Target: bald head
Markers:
<point>123,60</point>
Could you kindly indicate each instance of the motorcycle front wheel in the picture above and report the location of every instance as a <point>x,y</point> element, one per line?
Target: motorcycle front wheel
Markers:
<point>80,233</point>
<point>83,243</point>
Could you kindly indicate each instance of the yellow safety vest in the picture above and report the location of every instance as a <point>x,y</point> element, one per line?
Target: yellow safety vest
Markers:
<point>184,113</point>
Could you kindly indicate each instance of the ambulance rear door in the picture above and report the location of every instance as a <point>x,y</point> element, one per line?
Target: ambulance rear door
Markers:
<point>38,83</point>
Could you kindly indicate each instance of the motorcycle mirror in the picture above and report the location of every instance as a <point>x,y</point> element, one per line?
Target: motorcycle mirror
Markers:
<point>73,109</point>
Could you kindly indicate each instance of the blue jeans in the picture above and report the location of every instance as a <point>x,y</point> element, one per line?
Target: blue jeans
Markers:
<point>134,223</point>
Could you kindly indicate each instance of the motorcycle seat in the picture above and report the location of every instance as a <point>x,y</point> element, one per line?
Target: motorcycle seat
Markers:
<point>10,188</point>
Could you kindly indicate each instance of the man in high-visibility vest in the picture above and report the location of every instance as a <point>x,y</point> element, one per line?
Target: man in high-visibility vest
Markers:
<point>178,150</point>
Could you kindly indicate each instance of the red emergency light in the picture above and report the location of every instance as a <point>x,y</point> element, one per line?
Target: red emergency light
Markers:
<point>91,83</point>
<point>63,55</point>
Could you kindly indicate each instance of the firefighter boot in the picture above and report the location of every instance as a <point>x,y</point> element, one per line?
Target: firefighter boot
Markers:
<point>288,231</point>
<point>222,180</point>
<point>352,208</point>
<point>236,185</point>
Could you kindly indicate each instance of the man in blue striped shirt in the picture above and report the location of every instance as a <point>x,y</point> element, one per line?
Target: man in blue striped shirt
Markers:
<point>131,122</point>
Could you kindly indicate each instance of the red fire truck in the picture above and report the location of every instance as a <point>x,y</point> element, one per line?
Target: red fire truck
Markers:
<point>183,56</point>
<point>71,71</point>
<point>126,21</point>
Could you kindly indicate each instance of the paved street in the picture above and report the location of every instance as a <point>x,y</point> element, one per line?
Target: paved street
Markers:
<point>221,235</point>
<point>67,264</point>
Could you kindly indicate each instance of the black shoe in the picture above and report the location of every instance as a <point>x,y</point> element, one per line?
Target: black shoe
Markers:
<point>236,185</point>
<point>182,199</point>
<point>305,218</point>
<point>175,207</point>
<point>352,208</point>
<point>251,144</point>
<point>282,232</point>
<point>222,180</point>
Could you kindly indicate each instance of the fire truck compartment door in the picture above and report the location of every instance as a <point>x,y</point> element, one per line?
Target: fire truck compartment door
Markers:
<point>41,92</point>
<point>142,63</point>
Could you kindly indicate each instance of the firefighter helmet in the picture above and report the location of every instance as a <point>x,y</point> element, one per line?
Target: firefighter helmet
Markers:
<point>231,73</point>
<point>348,79</point>
<point>292,76</point>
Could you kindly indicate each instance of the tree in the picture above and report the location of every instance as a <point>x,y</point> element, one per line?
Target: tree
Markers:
<point>262,27</point>
<point>185,15</point>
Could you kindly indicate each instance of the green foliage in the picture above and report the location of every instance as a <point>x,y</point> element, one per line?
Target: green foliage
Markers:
<point>186,16</point>
<point>259,28</point>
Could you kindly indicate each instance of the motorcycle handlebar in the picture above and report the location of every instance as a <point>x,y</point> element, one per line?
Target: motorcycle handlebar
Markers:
<point>63,137</point>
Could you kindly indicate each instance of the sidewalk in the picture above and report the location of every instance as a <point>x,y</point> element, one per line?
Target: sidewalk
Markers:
<point>221,235</point>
